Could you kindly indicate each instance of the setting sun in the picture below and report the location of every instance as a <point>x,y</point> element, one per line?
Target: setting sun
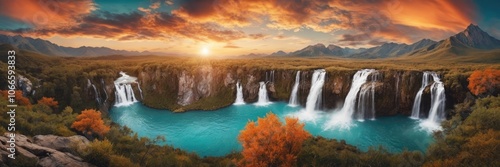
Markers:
<point>204,51</point>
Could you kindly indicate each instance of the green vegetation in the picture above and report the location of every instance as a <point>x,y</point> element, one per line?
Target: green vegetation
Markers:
<point>469,140</point>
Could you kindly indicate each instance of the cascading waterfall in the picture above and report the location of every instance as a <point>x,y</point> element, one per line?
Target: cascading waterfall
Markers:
<point>314,97</point>
<point>294,101</point>
<point>415,112</point>
<point>263,99</point>
<point>366,99</point>
<point>270,76</point>
<point>239,94</point>
<point>97,95</point>
<point>438,99</point>
<point>140,90</point>
<point>343,118</point>
<point>124,94</point>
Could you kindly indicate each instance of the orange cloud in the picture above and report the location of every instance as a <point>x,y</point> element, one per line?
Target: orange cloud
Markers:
<point>394,20</point>
<point>370,22</point>
<point>47,13</point>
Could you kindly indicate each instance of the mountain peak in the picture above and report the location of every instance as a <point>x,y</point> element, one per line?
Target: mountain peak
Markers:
<point>474,37</point>
<point>319,45</point>
<point>472,26</point>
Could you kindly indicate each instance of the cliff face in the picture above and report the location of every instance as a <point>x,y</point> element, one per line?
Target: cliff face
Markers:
<point>210,87</point>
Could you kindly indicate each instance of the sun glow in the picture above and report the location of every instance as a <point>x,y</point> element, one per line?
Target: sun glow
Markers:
<point>205,51</point>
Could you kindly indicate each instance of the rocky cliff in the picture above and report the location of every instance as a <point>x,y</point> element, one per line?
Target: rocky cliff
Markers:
<point>210,87</point>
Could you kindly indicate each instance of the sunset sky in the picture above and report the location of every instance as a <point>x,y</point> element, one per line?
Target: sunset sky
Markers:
<point>236,27</point>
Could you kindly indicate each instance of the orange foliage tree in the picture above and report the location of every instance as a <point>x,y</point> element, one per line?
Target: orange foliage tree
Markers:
<point>270,143</point>
<point>49,101</point>
<point>487,81</point>
<point>20,99</point>
<point>90,122</point>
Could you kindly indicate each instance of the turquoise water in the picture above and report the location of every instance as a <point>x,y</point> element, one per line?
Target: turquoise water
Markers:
<point>214,133</point>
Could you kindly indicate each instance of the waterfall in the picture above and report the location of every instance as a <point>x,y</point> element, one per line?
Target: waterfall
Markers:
<point>124,93</point>
<point>343,117</point>
<point>294,101</point>
<point>270,76</point>
<point>314,97</point>
<point>366,99</point>
<point>140,90</point>
<point>263,99</point>
<point>438,99</point>
<point>89,83</point>
<point>239,94</point>
<point>415,112</point>
<point>96,94</point>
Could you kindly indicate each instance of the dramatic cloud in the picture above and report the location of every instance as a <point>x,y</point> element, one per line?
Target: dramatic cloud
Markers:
<point>391,20</point>
<point>358,22</point>
<point>147,24</point>
<point>47,13</point>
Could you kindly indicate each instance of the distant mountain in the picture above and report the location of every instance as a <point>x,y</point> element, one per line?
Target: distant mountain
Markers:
<point>339,51</point>
<point>382,51</point>
<point>253,55</point>
<point>312,50</point>
<point>393,49</point>
<point>471,40</point>
<point>51,49</point>
<point>278,53</point>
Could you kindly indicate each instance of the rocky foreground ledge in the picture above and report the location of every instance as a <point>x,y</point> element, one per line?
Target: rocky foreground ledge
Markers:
<point>47,150</point>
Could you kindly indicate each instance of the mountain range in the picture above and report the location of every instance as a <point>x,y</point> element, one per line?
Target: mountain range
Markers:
<point>472,40</point>
<point>48,48</point>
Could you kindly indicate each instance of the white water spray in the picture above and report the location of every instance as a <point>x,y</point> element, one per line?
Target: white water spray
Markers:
<point>239,94</point>
<point>415,112</point>
<point>124,94</point>
<point>366,99</point>
<point>343,118</point>
<point>263,99</point>
<point>294,101</point>
<point>314,98</point>
<point>436,113</point>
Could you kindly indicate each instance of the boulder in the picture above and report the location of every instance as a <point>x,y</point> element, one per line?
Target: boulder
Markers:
<point>48,150</point>
<point>59,143</point>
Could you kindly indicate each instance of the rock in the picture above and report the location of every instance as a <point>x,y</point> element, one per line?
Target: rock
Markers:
<point>58,159</point>
<point>229,79</point>
<point>48,157</point>
<point>251,89</point>
<point>64,144</point>
<point>185,92</point>
<point>24,84</point>
<point>203,86</point>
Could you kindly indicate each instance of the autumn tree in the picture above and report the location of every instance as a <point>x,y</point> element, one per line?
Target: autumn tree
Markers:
<point>49,101</point>
<point>270,143</point>
<point>20,99</point>
<point>487,81</point>
<point>90,122</point>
